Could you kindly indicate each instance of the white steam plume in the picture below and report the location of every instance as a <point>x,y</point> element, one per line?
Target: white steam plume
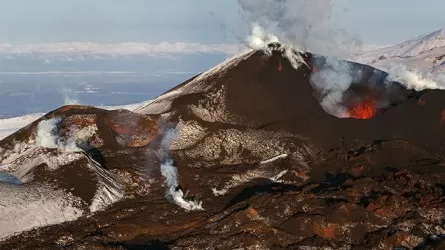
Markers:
<point>331,81</point>
<point>259,39</point>
<point>69,97</point>
<point>48,137</point>
<point>414,79</point>
<point>305,24</point>
<point>174,193</point>
<point>170,173</point>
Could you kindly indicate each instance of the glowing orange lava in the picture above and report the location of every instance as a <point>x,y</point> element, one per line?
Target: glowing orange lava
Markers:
<point>365,109</point>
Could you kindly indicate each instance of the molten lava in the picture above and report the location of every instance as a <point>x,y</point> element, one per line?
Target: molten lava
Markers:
<point>365,109</point>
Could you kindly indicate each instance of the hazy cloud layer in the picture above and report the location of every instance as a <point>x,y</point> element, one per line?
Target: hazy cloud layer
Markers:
<point>120,49</point>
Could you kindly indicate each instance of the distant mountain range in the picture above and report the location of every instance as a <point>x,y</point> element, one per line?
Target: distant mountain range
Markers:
<point>423,53</point>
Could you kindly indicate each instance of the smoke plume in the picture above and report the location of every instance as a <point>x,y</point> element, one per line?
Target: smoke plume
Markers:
<point>48,136</point>
<point>173,192</point>
<point>332,78</point>
<point>304,24</point>
<point>69,97</point>
<point>414,79</point>
<point>307,26</point>
<point>260,38</point>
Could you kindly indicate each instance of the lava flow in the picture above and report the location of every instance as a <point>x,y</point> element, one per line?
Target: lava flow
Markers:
<point>365,109</point>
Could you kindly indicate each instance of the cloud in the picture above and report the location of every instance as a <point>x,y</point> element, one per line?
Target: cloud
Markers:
<point>80,49</point>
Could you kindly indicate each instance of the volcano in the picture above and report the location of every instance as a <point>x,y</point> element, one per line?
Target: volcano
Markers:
<point>241,156</point>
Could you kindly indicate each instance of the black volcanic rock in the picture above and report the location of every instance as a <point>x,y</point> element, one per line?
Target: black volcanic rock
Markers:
<point>253,146</point>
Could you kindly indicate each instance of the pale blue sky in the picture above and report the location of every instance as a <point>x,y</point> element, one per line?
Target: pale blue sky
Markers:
<point>391,21</point>
<point>203,21</point>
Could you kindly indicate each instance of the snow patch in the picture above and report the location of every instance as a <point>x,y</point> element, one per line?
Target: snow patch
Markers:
<point>263,170</point>
<point>228,147</point>
<point>219,192</point>
<point>20,148</point>
<point>279,157</point>
<point>110,190</point>
<point>60,159</point>
<point>11,125</point>
<point>277,177</point>
<point>105,196</point>
<point>23,208</point>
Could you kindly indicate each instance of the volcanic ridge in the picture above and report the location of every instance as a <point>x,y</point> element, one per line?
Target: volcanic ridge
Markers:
<point>249,154</point>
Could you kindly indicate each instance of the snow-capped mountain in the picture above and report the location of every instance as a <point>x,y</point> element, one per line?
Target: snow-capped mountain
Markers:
<point>422,53</point>
<point>414,47</point>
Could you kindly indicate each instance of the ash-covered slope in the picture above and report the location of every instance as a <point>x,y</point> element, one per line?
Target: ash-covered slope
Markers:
<point>245,155</point>
<point>256,90</point>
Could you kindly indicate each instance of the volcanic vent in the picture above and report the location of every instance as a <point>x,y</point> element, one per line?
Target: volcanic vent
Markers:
<point>246,155</point>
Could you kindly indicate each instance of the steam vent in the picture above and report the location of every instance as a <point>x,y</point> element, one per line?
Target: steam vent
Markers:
<point>252,154</point>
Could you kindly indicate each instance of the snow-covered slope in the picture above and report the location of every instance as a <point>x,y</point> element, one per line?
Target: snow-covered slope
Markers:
<point>424,53</point>
<point>10,125</point>
<point>430,61</point>
<point>414,47</point>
